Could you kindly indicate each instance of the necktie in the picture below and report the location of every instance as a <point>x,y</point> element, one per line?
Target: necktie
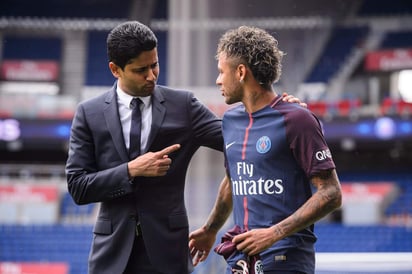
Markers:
<point>135,128</point>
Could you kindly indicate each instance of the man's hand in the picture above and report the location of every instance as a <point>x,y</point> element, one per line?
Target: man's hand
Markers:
<point>254,241</point>
<point>152,164</point>
<point>200,243</point>
<point>293,99</point>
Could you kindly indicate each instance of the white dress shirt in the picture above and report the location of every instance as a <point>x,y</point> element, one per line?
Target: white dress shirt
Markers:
<point>125,113</point>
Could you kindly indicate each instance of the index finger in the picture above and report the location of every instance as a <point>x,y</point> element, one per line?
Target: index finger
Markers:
<point>169,150</point>
<point>238,238</point>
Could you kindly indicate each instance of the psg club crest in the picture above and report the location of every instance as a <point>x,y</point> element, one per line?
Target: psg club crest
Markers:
<point>263,144</point>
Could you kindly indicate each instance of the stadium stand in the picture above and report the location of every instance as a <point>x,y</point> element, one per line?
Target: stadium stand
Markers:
<point>341,43</point>
<point>71,213</point>
<point>397,39</point>
<point>384,8</point>
<point>397,107</point>
<point>402,206</point>
<point>55,243</point>
<point>69,243</point>
<point>345,108</point>
<point>69,239</point>
<point>376,238</point>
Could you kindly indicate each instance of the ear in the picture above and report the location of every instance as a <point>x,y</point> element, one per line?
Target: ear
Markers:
<point>114,69</point>
<point>241,71</point>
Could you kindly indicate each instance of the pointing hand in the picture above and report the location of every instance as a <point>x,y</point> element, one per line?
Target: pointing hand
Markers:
<point>152,164</point>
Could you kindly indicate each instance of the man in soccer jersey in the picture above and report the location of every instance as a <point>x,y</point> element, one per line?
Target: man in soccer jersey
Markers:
<point>275,153</point>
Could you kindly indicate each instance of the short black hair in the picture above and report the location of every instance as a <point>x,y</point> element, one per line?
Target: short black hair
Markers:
<point>127,40</point>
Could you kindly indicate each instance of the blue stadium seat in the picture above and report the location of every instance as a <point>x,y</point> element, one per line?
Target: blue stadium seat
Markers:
<point>398,39</point>
<point>47,243</point>
<point>381,8</point>
<point>69,209</point>
<point>380,238</point>
<point>341,43</point>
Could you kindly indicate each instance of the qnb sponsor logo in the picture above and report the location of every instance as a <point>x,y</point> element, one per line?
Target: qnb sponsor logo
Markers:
<point>322,155</point>
<point>256,187</point>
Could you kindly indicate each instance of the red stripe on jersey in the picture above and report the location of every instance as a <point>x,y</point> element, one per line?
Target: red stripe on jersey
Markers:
<point>246,136</point>
<point>246,216</point>
<point>275,101</point>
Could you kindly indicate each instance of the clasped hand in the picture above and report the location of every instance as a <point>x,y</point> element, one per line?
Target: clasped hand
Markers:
<point>254,241</point>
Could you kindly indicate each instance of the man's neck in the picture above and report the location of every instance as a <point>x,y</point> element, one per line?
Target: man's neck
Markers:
<point>257,99</point>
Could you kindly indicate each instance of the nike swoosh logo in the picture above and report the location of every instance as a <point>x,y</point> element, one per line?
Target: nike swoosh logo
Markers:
<point>230,144</point>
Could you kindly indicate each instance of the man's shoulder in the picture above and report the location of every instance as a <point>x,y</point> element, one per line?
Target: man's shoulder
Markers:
<point>298,118</point>
<point>293,111</point>
<point>169,91</point>
<point>172,95</point>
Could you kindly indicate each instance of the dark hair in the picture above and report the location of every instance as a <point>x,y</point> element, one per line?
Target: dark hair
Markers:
<point>128,40</point>
<point>255,48</point>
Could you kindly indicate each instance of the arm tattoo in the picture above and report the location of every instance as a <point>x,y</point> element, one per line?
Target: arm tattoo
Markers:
<point>327,198</point>
<point>222,207</point>
<point>222,212</point>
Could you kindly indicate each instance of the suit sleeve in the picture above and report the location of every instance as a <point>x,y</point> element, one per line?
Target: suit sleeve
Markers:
<point>206,125</point>
<point>91,178</point>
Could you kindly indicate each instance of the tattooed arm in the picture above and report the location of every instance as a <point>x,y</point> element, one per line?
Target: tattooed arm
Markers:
<point>326,199</point>
<point>222,208</point>
<point>202,239</point>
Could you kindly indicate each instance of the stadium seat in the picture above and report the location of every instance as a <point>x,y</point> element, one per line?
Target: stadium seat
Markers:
<point>388,107</point>
<point>348,107</point>
<point>319,108</point>
<point>404,108</point>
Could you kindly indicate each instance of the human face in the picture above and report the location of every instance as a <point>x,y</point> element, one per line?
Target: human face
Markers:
<point>228,81</point>
<point>139,76</point>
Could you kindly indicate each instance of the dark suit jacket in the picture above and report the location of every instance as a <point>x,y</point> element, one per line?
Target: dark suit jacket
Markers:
<point>97,172</point>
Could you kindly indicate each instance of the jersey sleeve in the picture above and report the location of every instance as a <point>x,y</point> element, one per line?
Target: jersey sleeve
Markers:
<point>307,142</point>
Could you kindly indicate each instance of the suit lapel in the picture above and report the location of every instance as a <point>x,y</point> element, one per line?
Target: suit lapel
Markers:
<point>158,114</point>
<point>111,116</point>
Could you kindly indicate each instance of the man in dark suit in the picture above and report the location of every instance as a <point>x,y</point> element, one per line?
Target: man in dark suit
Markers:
<point>142,225</point>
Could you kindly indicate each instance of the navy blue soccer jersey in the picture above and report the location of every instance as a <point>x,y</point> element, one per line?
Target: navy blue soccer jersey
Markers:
<point>270,156</point>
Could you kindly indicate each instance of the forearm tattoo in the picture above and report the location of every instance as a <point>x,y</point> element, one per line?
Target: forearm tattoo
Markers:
<point>326,199</point>
<point>222,212</point>
<point>221,209</point>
